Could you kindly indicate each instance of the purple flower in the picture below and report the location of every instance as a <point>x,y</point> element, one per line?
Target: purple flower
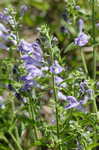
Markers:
<point>83,86</point>
<point>32,57</point>
<point>35,72</point>
<point>58,81</point>
<point>23,9</point>
<point>1,15</point>
<point>3,46</point>
<point>32,51</point>
<point>61,95</point>
<point>37,52</point>
<point>73,103</point>
<point>82,39</point>
<point>28,83</point>
<point>81,25</point>
<point>89,93</point>
<point>77,7</point>
<point>97,24</point>
<point>28,60</point>
<point>56,68</point>
<point>3,28</point>
<point>25,47</point>
<point>4,17</point>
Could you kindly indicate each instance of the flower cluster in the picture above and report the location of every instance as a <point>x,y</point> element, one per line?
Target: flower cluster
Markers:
<point>6,37</point>
<point>32,58</point>
<point>82,38</point>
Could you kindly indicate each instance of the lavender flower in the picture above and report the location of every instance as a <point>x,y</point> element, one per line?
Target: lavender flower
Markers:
<point>81,25</point>
<point>23,9</point>
<point>3,46</point>
<point>73,103</point>
<point>1,15</point>
<point>30,61</point>
<point>25,47</point>
<point>61,95</point>
<point>37,52</point>
<point>4,17</point>
<point>56,68</point>
<point>58,81</point>
<point>34,72</point>
<point>89,93</point>
<point>32,57</point>
<point>31,49</point>
<point>82,39</point>
<point>97,24</point>
<point>83,86</point>
<point>77,7</point>
<point>3,28</point>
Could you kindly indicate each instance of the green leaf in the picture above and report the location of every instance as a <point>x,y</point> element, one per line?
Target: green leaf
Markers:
<point>71,47</point>
<point>39,4</point>
<point>91,146</point>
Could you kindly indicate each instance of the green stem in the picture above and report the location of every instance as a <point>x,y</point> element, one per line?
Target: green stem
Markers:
<point>8,142</point>
<point>16,142</point>
<point>84,61</point>
<point>32,114</point>
<point>94,60</point>
<point>94,39</point>
<point>13,115</point>
<point>56,109</point>
<point>94,104</point>
<point>55,95</point>
<point>94,50</point>
<point>51,52</point>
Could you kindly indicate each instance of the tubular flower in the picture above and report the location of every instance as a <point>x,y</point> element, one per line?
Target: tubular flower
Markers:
<point>32,58</point>
<point>58,81</point>
<point>73,103</point>
<point>56,68</point>
<point>82,39</point>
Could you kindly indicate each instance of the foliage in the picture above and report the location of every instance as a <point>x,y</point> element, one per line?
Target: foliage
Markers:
<point>48,91</point>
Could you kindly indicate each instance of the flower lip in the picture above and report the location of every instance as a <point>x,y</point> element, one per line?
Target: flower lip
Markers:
<point>82,39</point>
<point>56,68</point>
